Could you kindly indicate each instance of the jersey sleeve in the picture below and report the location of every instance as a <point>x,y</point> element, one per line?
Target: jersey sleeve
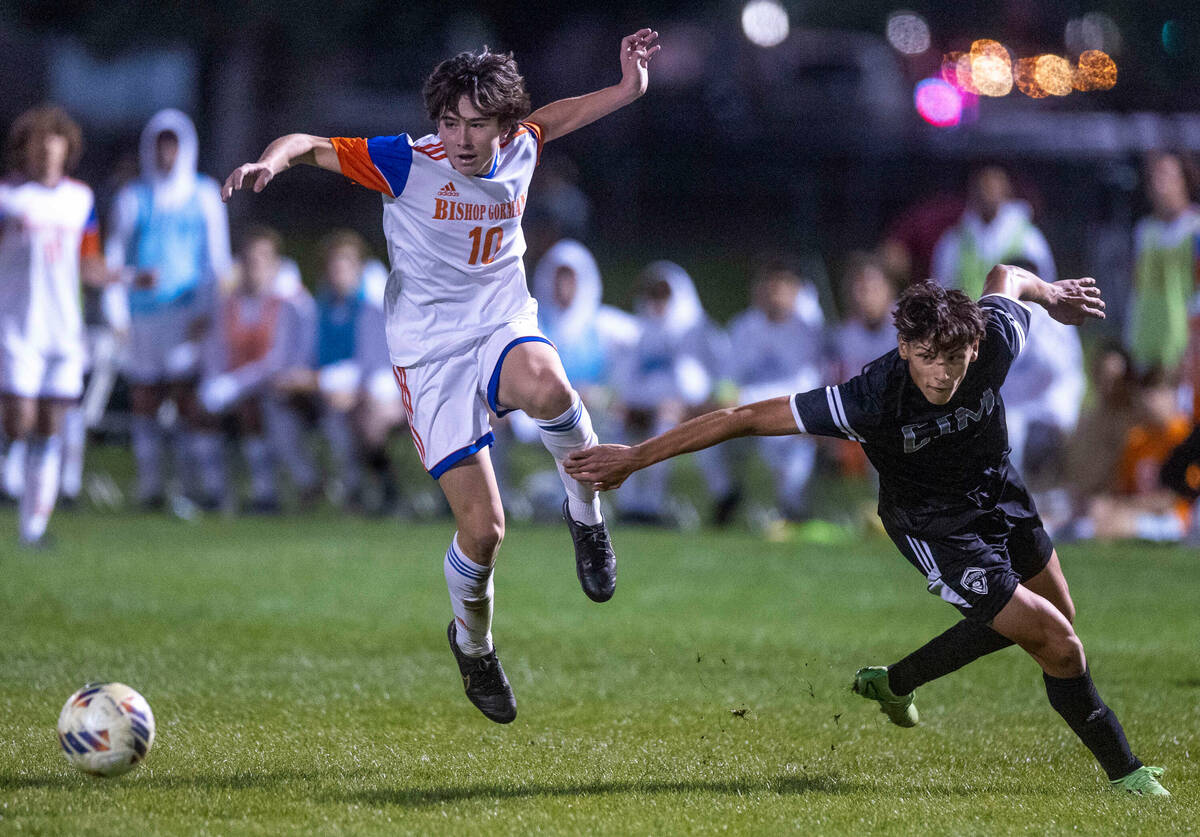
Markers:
<point>538,134</point>
<point>844,411</point>
<point>1007,328</point>
<point>89,245</point>
<point>379,163</point>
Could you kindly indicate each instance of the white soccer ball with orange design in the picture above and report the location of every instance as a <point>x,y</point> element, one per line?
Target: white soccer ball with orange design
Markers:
<point>106,729</point>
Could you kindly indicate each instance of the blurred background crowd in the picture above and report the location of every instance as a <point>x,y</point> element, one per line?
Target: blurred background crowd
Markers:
<point>740,233</point>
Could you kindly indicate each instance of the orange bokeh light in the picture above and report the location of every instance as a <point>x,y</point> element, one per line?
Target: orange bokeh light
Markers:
<point>1054,73</point>
<point>1026,78</point>
<point>991,68</point>
<point>986,46</point>
<point>1095,71</point>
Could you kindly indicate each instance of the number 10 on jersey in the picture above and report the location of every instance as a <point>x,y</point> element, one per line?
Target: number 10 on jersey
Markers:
<point>488,242</point>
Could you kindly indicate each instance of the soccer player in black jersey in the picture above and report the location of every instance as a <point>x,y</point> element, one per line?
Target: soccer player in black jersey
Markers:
<point>930,418</point>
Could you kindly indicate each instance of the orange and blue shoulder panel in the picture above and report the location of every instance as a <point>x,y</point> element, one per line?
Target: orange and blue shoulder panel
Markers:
<point>89,245</point>
<point>379,163</point>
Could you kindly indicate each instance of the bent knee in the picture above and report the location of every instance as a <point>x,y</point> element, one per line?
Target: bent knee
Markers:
<point>1064,653</point>
<point>482,542</point>
<point>550,395</point>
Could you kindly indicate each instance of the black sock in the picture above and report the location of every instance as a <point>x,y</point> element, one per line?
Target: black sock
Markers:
<point>963,643</point>
<point>1076,699</point>
<point>379,462</point>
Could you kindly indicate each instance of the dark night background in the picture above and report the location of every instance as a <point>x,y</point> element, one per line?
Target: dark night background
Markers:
<point>812,146</point>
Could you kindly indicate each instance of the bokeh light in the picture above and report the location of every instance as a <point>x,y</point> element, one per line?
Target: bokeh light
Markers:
<point>1095,30</point>
<point>991,68</point>
<point>938,102</point>
<point>949,72</point>
<point>1171,37</point>
<point>1026,78</point>
<point>1055,74</point>
<point>765,23</point>
<point>1095,71</point>
<point>908,32</point>
<point>986,46</point>
<point>956,70</point>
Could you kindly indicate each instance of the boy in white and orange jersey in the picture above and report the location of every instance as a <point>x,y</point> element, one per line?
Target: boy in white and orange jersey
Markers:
<point>461,326</point>
<point>48,241</point>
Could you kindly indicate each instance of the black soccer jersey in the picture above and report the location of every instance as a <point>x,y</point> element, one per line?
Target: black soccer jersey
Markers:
<point>940,466</point>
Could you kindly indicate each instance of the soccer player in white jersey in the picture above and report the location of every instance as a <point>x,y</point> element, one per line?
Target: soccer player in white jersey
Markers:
<point>461,326</point>
<point>48,241</point>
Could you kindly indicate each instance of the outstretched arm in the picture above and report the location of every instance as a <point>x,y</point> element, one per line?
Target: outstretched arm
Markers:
<point>607,466</point>
<point>560,118</point>
<point>281,155</point>
<point>1070,301</point>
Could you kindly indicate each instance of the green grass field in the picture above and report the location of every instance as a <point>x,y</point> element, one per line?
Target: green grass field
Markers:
<point>301,681</point>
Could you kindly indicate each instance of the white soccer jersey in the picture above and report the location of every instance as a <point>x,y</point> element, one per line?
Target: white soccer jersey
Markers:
<point>43,231</point>
<point>455,242</point>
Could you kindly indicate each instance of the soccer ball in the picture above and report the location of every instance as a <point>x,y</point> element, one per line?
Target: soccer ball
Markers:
<point>106,729</point>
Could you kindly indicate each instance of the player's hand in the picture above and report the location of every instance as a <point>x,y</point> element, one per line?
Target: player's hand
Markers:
<point>636,51</point>
<point>253,176</point>
<point>604,466</point>
<point>1075,301</point>
<point>145,279</point>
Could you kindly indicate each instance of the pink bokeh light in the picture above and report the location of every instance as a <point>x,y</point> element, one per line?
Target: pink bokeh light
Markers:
<point>938,102</point>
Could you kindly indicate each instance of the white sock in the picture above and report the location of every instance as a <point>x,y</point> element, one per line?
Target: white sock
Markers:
<point>335,426</point>
<point>208,450</point>
<point>74,440</point>
<point>43,462</point>
<point>471,595</point>
<point>14,469</point>
<point>147,453</point>
<point>285,430</point>
<point>562,436</point>
<point>261,467</point>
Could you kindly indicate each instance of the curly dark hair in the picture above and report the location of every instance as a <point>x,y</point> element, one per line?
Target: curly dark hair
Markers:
<point>38,122</point>
<point>948,320</point>
<point>490,80</point>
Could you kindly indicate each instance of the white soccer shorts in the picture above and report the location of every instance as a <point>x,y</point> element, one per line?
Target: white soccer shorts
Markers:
<point>33,374</point>
<point>450,400</point>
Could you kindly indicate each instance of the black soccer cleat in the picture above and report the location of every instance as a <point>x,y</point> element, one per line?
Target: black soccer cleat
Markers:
<point>595,562</point>
<point>484,681</point>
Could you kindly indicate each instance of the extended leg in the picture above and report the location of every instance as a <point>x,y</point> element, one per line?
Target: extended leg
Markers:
<point>967,641</point>
<point>470,488</point>
<point>1044,632</point>
<point>43,467</point>
<point>532,379</point>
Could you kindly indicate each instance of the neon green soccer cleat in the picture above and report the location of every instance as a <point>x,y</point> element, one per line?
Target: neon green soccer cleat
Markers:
<point>872,683</point>
<point>1143,782</point>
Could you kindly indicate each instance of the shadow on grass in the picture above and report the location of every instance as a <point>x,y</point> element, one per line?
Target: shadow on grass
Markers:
<point>51,782</point>
<point>825,784</point>
<point>420,797</point>
<point>143,780</point>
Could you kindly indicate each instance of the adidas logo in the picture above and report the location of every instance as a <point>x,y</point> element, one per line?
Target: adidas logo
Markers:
<point>448,191</point>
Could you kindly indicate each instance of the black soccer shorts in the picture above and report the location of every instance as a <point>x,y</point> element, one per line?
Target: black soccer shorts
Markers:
<point>978,570</point>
